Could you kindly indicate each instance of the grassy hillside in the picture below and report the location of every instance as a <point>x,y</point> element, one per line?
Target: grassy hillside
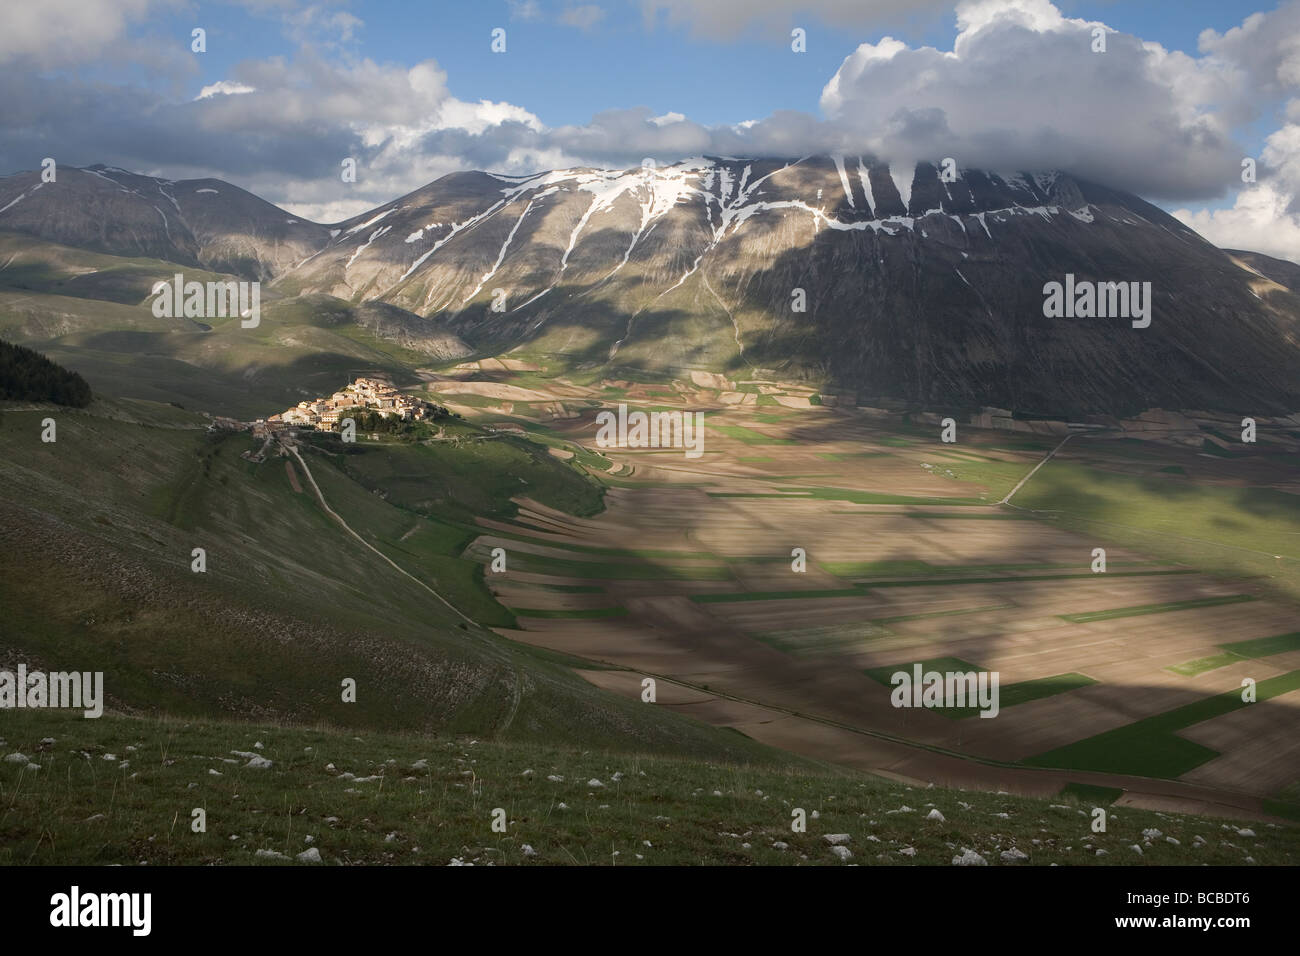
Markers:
<point>123,790</point>
<point>91,312</point>
<point>96,538</point>
<point>1230,530</point>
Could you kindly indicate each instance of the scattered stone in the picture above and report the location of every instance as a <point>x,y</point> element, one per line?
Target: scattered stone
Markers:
<point>842,852</point>
<point>969,858</point>
<point>835,839</point>
<point>1014,855</point>
<point>257,763</point>
<point>311,855</point>
<point>935,815</point>
<point>270,855</point>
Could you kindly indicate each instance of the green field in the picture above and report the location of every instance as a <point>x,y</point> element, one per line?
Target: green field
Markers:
<point>1151,747</point>
<point>1009,695</point>
<point>1143,609</point>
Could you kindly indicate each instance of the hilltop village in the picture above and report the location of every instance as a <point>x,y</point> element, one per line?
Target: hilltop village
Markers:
<point>379,397</point>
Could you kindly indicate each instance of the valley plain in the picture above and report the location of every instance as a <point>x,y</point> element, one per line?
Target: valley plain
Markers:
<point>494,577</point>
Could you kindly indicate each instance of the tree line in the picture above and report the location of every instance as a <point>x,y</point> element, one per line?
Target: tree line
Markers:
<point>28,376</point>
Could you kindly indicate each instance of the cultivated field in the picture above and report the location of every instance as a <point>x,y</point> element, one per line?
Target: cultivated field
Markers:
<point>1128,679</point>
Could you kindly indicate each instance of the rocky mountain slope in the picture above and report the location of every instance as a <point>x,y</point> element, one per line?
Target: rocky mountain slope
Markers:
<point>873,280</point>
<point>193,222</point>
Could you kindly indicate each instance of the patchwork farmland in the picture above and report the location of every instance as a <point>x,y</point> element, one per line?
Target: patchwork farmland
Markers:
<point>1127,679</point>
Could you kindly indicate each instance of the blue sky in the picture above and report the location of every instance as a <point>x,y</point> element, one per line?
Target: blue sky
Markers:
<point>566,74</point>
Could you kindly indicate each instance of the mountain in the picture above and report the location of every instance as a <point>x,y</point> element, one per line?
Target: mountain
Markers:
<point>913,288</point>
<point>1284,273</point>
<point>194,222</point>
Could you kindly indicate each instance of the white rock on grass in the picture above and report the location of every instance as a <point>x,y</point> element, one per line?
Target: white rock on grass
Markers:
<point>935,815</point>
<point>1136,849</point>
<point>309,856</point>
<point>842,852</point>
<point>969,858</point>
<point>908,851</point>
<point>528,850</point>
<point>555,778</point>
<point>214,773</point>
<point>779,845</point>
<point>270,855</point>
<point>835,839</point>
<point>421,764</point>
<point>257,763</point>
<point>593,782</point>
<point>1246,831</point>
<point>1151,833</point>
<point>16,758</point>
<point>1014,855</point>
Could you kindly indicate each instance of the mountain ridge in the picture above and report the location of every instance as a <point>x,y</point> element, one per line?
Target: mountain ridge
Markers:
<point>912,288</point>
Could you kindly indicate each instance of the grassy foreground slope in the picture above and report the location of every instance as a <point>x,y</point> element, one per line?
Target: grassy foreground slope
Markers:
<point>124,790</point>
